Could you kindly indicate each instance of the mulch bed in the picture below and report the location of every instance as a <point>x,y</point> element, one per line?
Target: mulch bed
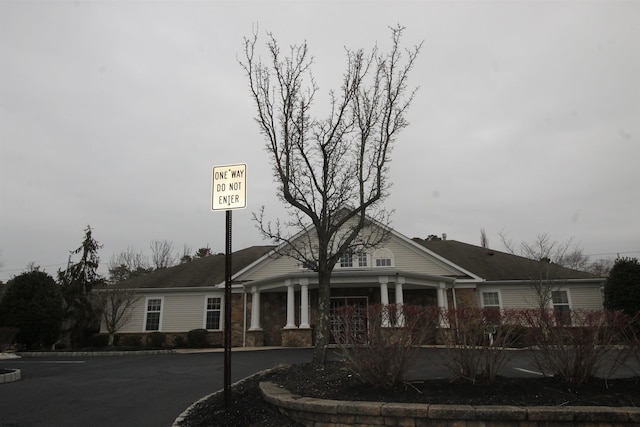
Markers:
<point>335,381</point>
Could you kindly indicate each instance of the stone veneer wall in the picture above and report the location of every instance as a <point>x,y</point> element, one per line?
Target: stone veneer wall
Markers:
<point>335,413</point>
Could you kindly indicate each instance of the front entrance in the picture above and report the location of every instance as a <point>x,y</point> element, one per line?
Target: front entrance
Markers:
<point>360,322</point>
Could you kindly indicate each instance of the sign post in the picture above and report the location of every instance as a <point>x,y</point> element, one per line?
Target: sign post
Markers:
<point>228,192</point>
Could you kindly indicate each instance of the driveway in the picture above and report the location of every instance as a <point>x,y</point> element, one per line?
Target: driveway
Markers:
<point>122,390</point>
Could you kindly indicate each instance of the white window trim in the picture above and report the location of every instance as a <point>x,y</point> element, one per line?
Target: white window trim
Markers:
<point>568,291</point>
<point>146,312</point>
<point>367,259</point>
<point>569,302</point>
<point>204,320</point>
<point>483,291</point>
<point>383,253</point>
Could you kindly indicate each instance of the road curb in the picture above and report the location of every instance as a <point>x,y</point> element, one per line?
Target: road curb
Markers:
<point>92,353</point>
<point>187,411</point>
<point>10,377</point>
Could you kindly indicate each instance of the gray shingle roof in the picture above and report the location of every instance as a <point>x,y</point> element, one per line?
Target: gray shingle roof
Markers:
<point>207,271</point>
<point>495,265</point>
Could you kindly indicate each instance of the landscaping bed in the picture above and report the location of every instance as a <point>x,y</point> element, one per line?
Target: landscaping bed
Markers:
<point>335,381</point>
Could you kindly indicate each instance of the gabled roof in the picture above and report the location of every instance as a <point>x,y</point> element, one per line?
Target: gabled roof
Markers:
<point>207,271</point>
<point>494,265</point>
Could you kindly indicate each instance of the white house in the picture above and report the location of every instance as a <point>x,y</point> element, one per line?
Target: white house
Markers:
<point>275,298</point>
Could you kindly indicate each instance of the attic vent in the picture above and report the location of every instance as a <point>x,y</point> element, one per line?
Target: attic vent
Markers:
<point>490,253</point>
<point>444,236</point>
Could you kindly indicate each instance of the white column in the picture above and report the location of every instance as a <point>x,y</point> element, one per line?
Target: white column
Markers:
<point>384,300</point>
<point>304,303</point>
<point>443,305</point>
<point>291,306</point>
<point>399,301</point>
<point>442,296</point>
<point>255,310</point>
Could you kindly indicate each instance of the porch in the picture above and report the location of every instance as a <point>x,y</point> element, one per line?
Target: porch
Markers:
<point>283,310</point>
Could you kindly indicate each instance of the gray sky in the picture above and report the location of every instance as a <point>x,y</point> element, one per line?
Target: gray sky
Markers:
<point>113,113</point>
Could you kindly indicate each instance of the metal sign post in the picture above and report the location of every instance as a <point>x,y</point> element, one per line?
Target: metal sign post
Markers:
<point>227,311</point>
<point>228,192</point>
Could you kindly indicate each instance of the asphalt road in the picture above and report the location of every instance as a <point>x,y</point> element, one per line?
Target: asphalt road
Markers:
<point>105,391</point>
<point>109,391</point>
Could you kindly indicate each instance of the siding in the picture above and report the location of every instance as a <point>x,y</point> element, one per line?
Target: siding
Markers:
<point>519,297</point>
<point>588,298</point>
<point>180,312</point>
<point>524,296</point>
<point>183,312</point>
<point>408,258</point>
<point>136,321</point>
<point>272,267</point>
<point>405,257</point>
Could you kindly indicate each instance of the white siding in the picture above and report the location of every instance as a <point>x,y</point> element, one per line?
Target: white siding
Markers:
<point>588,298</point>
<point>273,267</point>
<point>183,312</point>
<point>180,312</point>
<point>519,297</point>
<point>405,255</point>
<point>136,321</point>
<point>409,258</point>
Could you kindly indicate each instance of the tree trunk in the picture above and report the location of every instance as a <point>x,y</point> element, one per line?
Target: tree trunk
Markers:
<point>322,330</point>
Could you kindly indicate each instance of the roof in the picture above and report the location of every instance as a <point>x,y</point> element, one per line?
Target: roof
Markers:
<point>494,265</point>
<point>207,271</point>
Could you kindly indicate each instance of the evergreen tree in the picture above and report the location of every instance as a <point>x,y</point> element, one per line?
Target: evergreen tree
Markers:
<point>77,281</point>
<point>32,303</point>
<point>622,289</point>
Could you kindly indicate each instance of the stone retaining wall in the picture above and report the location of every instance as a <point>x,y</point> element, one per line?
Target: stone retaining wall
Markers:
<point>13,375</point>
<point>333,413</point>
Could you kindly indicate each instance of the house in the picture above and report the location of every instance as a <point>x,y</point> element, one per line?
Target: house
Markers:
<point>274,297</point>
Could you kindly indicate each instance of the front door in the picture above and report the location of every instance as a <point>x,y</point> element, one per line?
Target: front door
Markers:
<point>359,321</point>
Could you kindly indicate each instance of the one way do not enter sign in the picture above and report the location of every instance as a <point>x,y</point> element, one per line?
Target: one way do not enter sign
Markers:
<point>229,187</point>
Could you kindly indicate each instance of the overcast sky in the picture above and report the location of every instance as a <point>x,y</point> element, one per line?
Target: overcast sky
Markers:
<point>113,114</point>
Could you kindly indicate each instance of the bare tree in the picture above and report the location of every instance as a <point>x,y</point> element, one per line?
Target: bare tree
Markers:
<point>117,303</point>
<point>600,267</point>
<point>162,255</point>
<point>332,171</point>
<point>547,259</point>
<point>484,242</point>
<point>127,264</point>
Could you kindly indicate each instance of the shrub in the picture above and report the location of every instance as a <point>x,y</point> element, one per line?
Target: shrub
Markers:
<point>197,338</point>
<point>378,342</point>
<point>179,341</point>
<point>576,353</point>
<point>477,340</point>
<point>130,341</point>
<point>7,336</point>
<point>156,339</point>
<point>99,340</point>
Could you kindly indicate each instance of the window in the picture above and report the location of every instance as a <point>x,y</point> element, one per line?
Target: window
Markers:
<point>561,308</point>
<point>383,262</point>
<point>362,259</point>
<point>154,307</point>
<point>491,306</point>
<point>213,312</point>
<point>346,260</point>
<point>383,257</point>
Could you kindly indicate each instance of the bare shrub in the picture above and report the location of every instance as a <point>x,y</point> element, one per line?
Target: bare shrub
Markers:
<point>595,339</point>
<point>379,342</point>
<point>7,336</point>
<point>477,341</point>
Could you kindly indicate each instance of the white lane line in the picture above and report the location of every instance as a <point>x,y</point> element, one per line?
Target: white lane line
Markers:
<point>54,361</point>
<point>529,372</point>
